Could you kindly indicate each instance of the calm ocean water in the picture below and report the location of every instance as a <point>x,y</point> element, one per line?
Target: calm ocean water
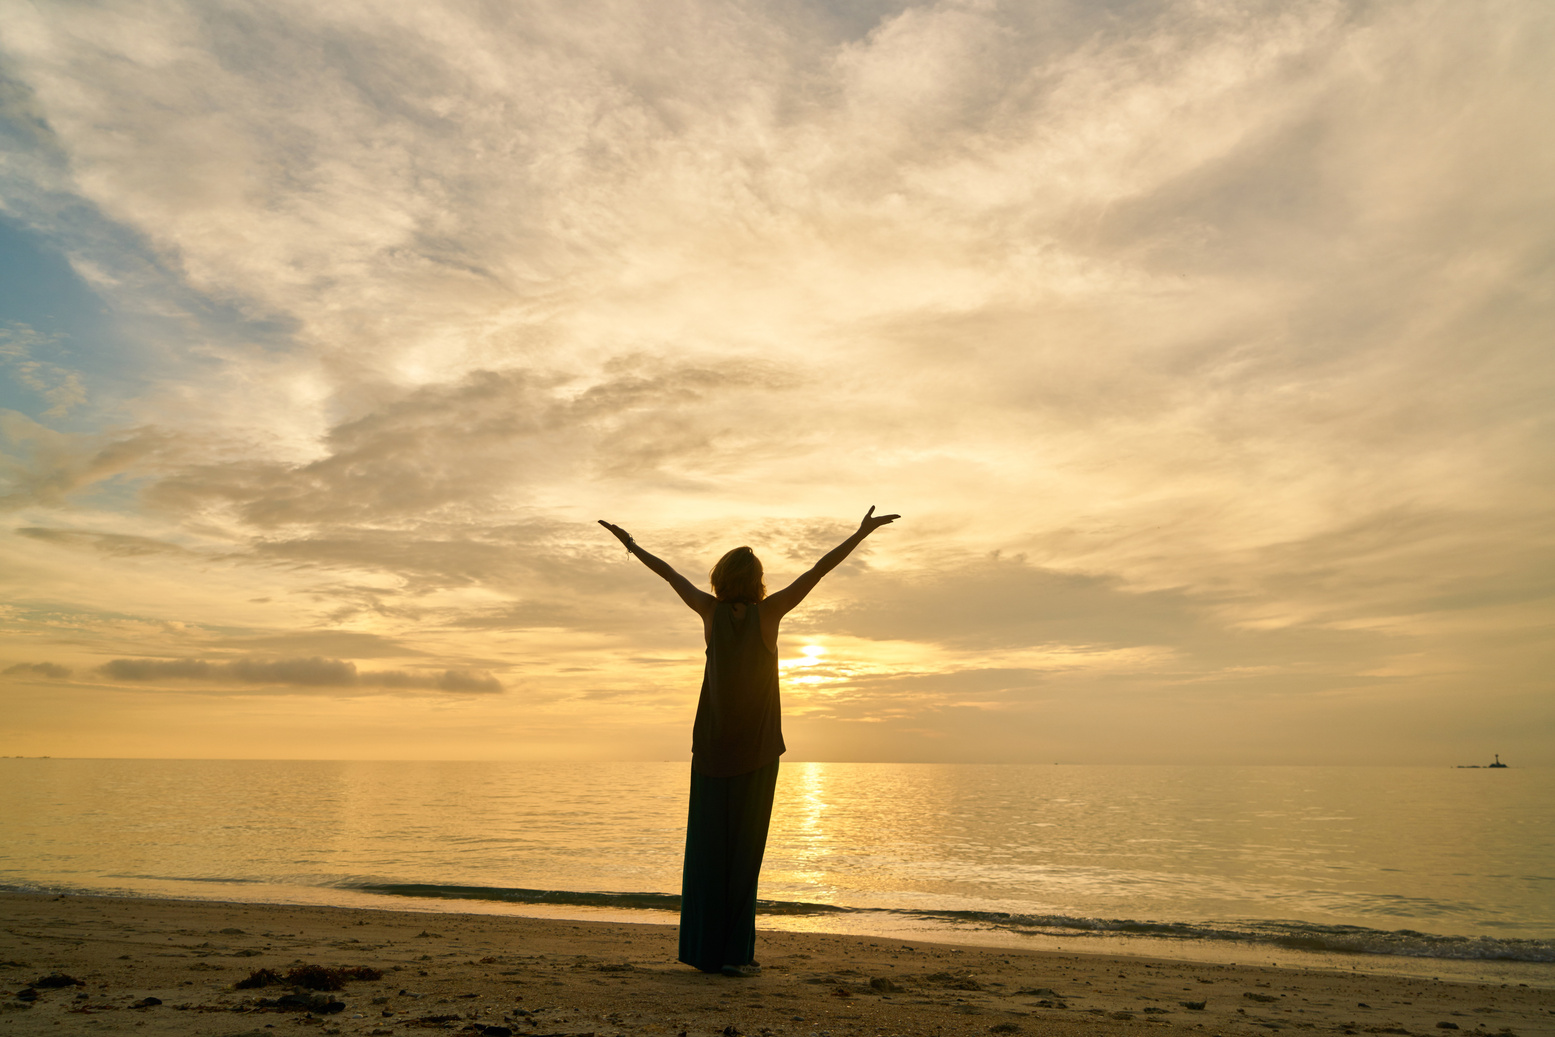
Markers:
<point>1431,871</point>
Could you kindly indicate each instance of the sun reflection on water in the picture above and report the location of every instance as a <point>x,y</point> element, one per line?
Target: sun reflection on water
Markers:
<point>799,812</point>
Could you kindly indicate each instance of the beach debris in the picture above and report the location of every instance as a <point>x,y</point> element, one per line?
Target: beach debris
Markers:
<point>232,931</point>
<point>730,1031</point>
<point>424,935</point>
<point>1446,1026</point>
<point>58,979</point>
<point>309,977</point>
<point>27,994</point>
<point>963,981</point>
<point>842,992</point>
<point>881,985</point>
<point>317,977</point>
<point>260,978</point>
<point>624,966</point>
<point>1262,999</point>
<point>1193,1006</point>
<point>1037,992</point>
<point>1004,1028</point>
<point>147,1002</point>
<point>304,1003</point>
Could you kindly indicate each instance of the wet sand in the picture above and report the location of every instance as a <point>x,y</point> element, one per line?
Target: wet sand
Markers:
<point>500,974</point>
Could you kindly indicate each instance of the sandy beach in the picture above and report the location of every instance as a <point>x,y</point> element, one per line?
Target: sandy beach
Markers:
<point>172,967</point>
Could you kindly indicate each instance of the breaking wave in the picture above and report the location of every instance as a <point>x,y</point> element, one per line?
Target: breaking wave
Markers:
<point>1306,936</point>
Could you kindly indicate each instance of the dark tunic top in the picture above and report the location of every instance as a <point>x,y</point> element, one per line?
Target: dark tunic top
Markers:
<point>738,728</point>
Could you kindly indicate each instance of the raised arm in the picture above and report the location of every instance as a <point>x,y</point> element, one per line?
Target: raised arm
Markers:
<point>699,601</point>
<point>785,600</point>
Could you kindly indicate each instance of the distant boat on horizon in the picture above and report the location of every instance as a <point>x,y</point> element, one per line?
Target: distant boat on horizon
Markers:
<point>1485,767</point>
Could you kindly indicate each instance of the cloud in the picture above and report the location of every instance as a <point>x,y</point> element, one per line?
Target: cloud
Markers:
<point>39,466</point>
<point>120,544</point>
<point>461,449</point>
<point>357,644</point>
<point>316,672</point>
<point>465,681</point>
<point>59,387</point>
<point>51,670</point>
<point>1000,602</point>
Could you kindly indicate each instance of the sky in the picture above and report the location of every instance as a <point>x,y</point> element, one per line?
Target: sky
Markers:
<point>1204,347</point>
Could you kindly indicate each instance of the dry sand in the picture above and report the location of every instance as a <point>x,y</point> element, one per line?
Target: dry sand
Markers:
<point>497,974</point>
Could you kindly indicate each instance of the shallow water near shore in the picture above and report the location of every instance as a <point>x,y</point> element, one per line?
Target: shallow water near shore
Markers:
<point>1425,871</point>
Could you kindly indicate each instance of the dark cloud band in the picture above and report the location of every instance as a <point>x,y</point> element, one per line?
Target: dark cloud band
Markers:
<point>316,672</point>
<point>53,670</point>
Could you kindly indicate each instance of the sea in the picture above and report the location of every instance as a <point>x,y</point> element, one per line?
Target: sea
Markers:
<point>1433,872</point>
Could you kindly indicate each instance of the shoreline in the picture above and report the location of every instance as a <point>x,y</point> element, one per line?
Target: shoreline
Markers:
<point>486,972</point>
<point>1292,949</point>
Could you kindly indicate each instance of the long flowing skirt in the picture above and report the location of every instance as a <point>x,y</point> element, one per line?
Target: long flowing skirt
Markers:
<point>726,835</point>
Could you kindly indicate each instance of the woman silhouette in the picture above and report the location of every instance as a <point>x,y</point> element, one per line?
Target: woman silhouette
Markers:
<point>735,745</point>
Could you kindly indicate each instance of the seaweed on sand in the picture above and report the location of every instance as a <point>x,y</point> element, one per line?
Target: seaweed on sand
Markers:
<point>260,978</point>
<point>309,977</point>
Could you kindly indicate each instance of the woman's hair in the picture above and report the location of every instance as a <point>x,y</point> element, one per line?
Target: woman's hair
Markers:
<point>737,577</point>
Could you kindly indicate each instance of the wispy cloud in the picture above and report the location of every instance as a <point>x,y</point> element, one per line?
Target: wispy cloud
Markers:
<point>60,388</point>
<point>43,467</point>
